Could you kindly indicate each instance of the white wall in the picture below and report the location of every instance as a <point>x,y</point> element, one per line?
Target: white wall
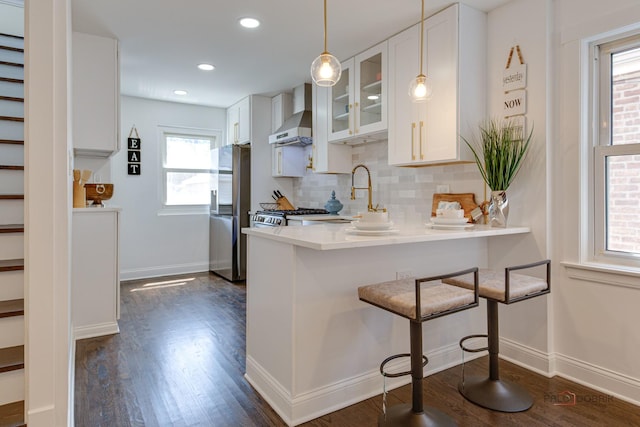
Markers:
<point>152,244</point>
<point>523,23</point>
<point>595,321</point>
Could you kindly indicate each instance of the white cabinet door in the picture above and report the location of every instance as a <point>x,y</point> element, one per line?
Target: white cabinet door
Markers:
<point>327,158</point>
<point>281,109</point>
<point>239,122</point>
<point>244,121</point>
<point>95,275</point>
<point>340,105</point>
<point>358,102</point>
<point>403,114</point>
<point>288,161</point>
<point>429,133</point>
<point>370,92</point>
<point>95,95</point>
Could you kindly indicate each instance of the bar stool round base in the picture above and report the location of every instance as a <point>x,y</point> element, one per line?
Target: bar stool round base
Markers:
<point>498,395</point>
<point>403,416</point>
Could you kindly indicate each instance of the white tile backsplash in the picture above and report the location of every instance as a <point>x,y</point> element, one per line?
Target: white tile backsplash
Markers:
<point>407,193</point>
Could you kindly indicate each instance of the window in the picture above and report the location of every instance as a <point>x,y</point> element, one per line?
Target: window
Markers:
<point>186,166</point>
<point>616,151</point>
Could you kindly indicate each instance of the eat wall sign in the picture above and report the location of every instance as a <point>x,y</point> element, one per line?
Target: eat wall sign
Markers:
<point>134,153</point>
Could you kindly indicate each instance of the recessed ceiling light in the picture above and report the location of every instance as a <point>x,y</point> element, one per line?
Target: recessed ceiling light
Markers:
<point>180,92</point>
<point>249,22</point>
<point>206,67</point>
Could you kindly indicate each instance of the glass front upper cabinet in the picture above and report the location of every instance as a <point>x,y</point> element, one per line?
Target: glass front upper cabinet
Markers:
<point>358,102</point>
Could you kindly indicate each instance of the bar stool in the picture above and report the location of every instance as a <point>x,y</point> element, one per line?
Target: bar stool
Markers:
<point>412,300</point>
<point>505,288</point>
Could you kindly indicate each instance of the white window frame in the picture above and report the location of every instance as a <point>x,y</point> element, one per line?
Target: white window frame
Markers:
<point>166,131</point>
<point>599,97</point>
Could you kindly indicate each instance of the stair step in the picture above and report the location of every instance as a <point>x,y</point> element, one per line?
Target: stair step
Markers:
<point>11,228</point>
<point>12,119</point>
<point>11,358</point>
<point>11,196</point>
<point>12,414</point>
<point>10,80</point>
<point>11,168</point>
<point>11,98</point>
<point>11,141</point>
<point>12,64</point>
<point>11,48</point>
<point>11,308</point>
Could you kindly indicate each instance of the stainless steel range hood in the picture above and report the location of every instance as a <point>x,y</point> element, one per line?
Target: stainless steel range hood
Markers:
<point>296,130</point>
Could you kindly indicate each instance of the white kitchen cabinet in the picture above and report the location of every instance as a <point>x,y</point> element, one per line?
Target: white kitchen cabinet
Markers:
<point>95,274</point>
<point>288,161</point>
<point>455,50</point>
<point>326,157</point>
<point>358,102</point>
<point>239,122</point>
<point>95,95</point>
<point>281,109</point>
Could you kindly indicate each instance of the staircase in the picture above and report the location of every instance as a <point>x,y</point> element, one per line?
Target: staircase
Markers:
<point>11,231</point>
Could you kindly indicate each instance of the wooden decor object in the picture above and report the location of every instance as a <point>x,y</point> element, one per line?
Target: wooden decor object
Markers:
<point>467,202</point>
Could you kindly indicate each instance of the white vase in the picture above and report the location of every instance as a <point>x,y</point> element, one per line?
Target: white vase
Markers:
<point>498,209</point>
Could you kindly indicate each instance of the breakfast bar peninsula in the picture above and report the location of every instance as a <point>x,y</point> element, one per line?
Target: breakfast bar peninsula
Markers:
<point>312,346</point>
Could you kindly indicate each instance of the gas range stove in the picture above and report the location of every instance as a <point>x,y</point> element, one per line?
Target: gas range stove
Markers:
<point>278,218</point>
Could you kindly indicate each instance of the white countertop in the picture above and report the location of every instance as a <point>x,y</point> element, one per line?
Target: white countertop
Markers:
<point>335,236</point>
<point>90,209</point>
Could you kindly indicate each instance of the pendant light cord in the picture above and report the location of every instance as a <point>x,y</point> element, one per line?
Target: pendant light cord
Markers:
<point>325,26</point>
<point>421,35</point>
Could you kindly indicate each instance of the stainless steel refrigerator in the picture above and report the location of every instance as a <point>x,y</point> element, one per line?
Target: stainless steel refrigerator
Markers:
<point>230,204</point>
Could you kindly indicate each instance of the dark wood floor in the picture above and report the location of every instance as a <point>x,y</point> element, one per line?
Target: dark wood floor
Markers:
<point>179,361</point>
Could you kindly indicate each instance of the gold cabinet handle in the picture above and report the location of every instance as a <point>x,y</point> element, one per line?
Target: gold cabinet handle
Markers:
<point>236,132</point>
<point>421,127</point>
<point>350,113</point>
<point>279,162</point>
<point>313,157</point>
<point>413,142</point>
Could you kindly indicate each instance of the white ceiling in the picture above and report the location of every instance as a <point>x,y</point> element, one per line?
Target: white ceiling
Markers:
<point>162,41</point>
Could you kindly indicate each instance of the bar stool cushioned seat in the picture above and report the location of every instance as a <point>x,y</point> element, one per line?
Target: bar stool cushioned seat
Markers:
<point>419,300</point>
<point>399,297</point>
<point>503,287</point>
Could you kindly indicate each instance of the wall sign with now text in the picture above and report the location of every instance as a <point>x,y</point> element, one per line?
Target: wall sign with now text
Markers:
<point>514,84</point>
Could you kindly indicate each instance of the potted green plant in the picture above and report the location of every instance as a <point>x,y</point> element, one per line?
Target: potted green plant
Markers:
<point>499,154</point>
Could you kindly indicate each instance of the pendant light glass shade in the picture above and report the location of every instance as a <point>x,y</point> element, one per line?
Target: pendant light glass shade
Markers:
<point>325,69</point>
<point>420,88</point>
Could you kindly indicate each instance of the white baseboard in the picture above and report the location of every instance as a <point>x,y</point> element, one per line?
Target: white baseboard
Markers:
<point>163,270</point>
<point>601,379</point>
<point>526,357</point>
<point>295,410</point>
<point>82,332</point>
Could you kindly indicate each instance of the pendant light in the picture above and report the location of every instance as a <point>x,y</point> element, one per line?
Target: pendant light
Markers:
<point>325,69</point>
<point>420,88</point>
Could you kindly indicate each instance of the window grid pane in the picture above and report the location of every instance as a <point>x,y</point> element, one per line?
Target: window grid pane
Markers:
<point>188,152</point>
<point>187,188</point>
<point>623,203</point>
<point>625,94</point>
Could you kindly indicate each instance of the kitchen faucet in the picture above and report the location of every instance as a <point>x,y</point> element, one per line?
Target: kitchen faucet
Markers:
<point>369,189</point>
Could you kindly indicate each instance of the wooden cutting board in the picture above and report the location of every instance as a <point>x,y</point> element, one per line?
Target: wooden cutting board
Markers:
<point>467,202</point>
